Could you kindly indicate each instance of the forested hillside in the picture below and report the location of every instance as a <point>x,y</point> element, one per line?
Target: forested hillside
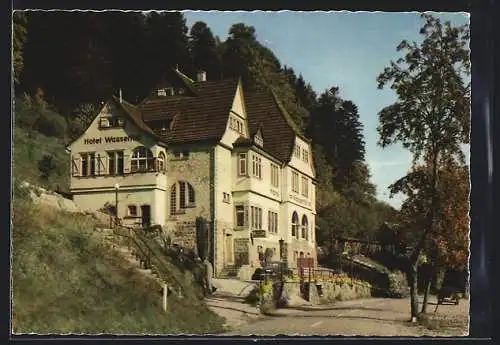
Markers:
<point>68,63</point>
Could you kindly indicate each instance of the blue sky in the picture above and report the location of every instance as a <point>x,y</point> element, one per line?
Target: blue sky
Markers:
<point>344,49</point>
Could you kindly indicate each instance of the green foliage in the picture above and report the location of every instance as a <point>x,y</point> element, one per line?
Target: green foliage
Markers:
<point>34,114</point>
<point>66,281</point>
<point>432,113</point>
<point>81,118</point>
<point>19,36</point>
<point>398,285</point>
<point>46,166</point>
<point>204,51</point>
<point>29,148</point>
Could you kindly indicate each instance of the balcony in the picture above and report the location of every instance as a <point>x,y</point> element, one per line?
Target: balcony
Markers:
<point>103,173</point>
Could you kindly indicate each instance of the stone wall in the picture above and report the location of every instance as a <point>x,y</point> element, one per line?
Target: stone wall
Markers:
<point>184,234</point>
<point>332,292</point>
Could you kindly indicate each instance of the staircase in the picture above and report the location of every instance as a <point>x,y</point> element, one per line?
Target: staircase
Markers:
<point>135,257</point>
<point>229,272</point>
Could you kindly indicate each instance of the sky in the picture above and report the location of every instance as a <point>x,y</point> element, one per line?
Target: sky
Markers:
<point>344,49</point>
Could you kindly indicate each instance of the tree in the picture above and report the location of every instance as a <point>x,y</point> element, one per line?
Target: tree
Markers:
<point>81,118</point>
<point>204,52</point>
<point>19,36</point>
<point>166,46</point>
<point>431,116</point>
<point>334,124</point>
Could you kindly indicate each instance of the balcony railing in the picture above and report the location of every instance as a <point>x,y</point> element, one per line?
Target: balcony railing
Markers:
<point>104,166</point>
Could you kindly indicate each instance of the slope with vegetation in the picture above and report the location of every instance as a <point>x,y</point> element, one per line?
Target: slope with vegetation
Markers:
<point>67,280</point>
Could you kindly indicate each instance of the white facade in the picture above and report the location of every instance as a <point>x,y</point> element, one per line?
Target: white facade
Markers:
<point>250,199</point>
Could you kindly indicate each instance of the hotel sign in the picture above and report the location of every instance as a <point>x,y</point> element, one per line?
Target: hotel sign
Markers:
<point>107,140</point>
<point>258,233</point>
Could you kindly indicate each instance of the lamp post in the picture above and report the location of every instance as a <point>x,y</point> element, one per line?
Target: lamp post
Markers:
<point>281,241</point>
<point>117,187</point>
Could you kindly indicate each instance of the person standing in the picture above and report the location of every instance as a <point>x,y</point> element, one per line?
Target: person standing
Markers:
<point>209,271</point>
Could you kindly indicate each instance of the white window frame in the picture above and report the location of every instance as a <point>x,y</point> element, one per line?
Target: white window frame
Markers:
<point>242,163</point>
<point>305,186</point>
<point>295,181</point>
<point>275,180</point>
<point>142,156</point>
<point>240,209</point>
<point>256,166</point>
<point>256,217</point>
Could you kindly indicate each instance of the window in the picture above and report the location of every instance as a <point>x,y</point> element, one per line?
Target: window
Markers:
<point>296,151</point>
<point>305,155</point>
<point>173,199</point>
<point>305,227</point>
<point>256,166</point>
<point>225,197</point>
<point>115,162</point>
<point>305,186</point>
<point>182,193</point>
<point>88,164</point>
<point>295,181</point>
<point>161,162</point>
<point>181,155</point>
<point>275,181</point>
<point>242,164</point>
<point>256,215</point>
<point>258,140</point>
<point>181,197</point>
<point>142,160</point>
<point>132,211</point>
<point>295,224</point>
<point>111,122</point>
<point>240,215</point>
<point>272,221</point>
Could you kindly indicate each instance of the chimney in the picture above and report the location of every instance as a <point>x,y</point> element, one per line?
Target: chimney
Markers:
<point>121,98</point>
<point>201,76</point>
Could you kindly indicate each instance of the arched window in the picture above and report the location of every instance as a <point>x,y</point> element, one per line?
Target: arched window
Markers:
<point>295,224</point>
<point>305,227</point>
<point>181,197</point>
<point>142,160</point>
<point>161,162</point>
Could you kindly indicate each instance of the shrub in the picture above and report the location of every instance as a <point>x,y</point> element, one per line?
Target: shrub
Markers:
<point>46,166</point>
<point>398,285</point>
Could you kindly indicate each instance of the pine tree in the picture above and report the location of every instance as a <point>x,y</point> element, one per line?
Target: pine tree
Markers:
<point>204,52</point>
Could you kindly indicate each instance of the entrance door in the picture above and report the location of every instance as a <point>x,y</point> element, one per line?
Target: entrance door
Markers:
<point>146,215</point>
<point>229,248</point>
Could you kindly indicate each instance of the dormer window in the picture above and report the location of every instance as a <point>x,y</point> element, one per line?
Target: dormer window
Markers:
<point>111,122</point>
<point>167,91</point>
<point>258,140</point>
<point>104,122</point>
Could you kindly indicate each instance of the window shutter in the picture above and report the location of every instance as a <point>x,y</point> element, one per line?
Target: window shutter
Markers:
<point>245,208</point>
<point>75,167</point>
<point>101,167</point>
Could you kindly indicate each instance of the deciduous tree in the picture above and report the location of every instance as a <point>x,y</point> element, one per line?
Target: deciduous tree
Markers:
<point>431,115</point>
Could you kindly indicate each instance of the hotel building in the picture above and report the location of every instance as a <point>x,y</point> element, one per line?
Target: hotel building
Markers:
<point>203,149</point>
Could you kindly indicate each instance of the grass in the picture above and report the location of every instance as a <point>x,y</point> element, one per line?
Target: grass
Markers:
<point>28,148</point>
<point>65,280</point>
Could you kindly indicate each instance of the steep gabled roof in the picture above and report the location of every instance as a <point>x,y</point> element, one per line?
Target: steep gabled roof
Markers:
<point>201,117</point>
<point>278,134</point>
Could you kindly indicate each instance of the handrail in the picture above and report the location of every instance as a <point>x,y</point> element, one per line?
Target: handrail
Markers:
<point>151,252</point>
<point>136,244</point>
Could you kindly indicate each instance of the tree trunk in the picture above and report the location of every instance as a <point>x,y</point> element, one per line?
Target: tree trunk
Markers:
<point>413,290</point>
<point>426,294</point>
